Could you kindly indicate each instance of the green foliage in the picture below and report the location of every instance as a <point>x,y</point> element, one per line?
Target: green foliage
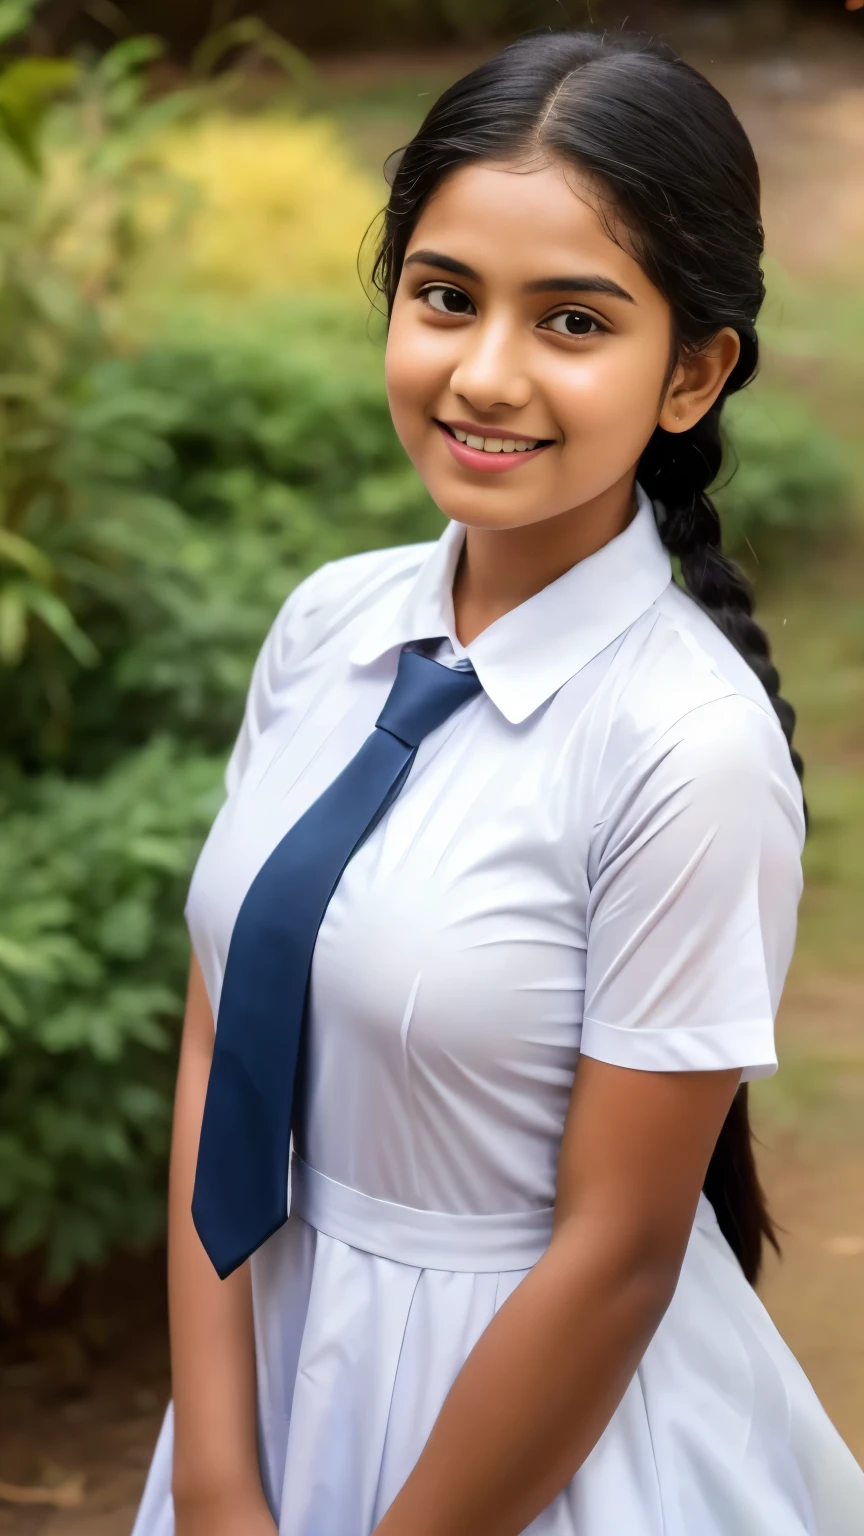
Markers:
<point>42,336</point>
<point>92,962</point>
<point>251,32</point>
<point>55,271</point>
<point>207,474</point>
<point>27,87</point>
<point>15,15</point>
<point>791,483</point>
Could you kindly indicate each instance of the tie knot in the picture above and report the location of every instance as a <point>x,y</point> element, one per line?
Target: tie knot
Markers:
<point>423,696</point>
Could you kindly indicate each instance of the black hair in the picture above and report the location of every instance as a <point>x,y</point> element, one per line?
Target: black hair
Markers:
<point>658,140</point>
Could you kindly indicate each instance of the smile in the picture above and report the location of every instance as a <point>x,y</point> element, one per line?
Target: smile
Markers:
<point>490,454</point>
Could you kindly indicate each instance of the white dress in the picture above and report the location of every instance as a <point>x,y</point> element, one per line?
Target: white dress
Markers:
<point>598,853</point>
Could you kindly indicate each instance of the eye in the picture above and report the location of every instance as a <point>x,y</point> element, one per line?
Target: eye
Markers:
<point>573,322</point>
<point>446,301</point>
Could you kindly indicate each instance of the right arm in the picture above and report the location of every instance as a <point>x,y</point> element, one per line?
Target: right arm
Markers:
<point>216,1483</point>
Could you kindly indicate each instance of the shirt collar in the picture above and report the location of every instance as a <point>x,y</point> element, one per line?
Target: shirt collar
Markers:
<point>530,652</point>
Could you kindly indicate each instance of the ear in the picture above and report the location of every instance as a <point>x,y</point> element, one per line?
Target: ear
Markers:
<point>698,380</point>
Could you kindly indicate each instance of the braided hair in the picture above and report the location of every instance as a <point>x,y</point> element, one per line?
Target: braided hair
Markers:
<point>676,474</point>
<point>682,180</point>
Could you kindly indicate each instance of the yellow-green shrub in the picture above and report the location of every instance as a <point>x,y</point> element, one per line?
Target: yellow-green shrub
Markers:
<point>280,205</point>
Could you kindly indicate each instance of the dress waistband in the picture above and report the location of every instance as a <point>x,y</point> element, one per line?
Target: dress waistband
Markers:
<point>428,1239</point>
<point>424,1239</point>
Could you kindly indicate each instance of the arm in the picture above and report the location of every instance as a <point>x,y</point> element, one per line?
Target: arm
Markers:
<point>540,1386</point>
<point>216,1485</point>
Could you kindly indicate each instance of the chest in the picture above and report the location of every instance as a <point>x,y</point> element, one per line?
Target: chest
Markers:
<point>477,875</point>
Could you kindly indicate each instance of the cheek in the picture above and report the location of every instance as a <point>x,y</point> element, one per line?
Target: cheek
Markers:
<point>415,364</point>
<point>617,390</point>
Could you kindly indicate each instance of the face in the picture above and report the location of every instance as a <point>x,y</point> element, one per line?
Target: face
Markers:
<point>519,320</point>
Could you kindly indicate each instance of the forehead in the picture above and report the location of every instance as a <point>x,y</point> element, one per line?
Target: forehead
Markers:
<point>513,222</point>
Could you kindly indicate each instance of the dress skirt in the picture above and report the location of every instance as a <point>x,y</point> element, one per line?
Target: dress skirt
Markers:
<point>365,1311</point>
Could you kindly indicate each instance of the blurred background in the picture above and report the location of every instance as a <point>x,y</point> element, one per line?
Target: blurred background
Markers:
<point>192,418</point>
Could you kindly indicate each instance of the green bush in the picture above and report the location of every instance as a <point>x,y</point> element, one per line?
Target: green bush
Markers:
<point>74,167</point>
<point>211,471</point>
<point>92,964</point>
<point>791,483</point>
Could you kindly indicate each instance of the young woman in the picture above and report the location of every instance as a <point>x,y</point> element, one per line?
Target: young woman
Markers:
<point>529,795</point>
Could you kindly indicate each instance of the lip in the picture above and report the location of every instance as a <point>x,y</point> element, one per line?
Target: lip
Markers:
<point>478,458</point>
<point>478,430</point>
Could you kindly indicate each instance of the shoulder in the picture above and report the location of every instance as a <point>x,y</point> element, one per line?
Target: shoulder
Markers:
<point>337,596</point>
<point>324,612</point>
<point>688,710</point>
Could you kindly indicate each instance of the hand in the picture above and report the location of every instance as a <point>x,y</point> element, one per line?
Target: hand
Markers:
<point>222,1514</point>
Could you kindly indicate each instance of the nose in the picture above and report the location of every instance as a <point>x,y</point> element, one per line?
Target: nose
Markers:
<point>490,371</point>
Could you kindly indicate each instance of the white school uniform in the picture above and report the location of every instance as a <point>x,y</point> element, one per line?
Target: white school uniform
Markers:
<point>600,853</point>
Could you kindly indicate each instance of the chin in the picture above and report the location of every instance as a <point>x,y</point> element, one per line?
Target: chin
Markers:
<point>490,501</point>
<point>467,511</point>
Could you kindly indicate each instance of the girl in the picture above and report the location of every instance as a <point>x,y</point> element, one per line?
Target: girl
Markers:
<point>531,799</point>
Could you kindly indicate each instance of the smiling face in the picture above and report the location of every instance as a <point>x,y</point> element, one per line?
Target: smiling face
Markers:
<point>519,320</point>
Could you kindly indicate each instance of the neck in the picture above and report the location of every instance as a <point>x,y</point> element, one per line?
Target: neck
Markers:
<point>499,568</point>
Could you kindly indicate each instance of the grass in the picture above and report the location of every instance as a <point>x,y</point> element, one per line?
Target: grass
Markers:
<point>812,1094</point>
<point>814,344</point>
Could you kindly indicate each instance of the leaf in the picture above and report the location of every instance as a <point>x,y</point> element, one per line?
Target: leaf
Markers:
<point>19,138</point>
<point>129,57</point>
<point>15,17</point>
<point>251,31</point>
<point>19,959</point>
<point>28,84</point>
<point>141,1104</point>
<point>56,615</point>
<point>13,624</point>
<point>126,931</point>
<point>25,555</point>
<point>79,1238</point>
<point>26,88</point>
<point>12,1007</point>
<point>158,853</point>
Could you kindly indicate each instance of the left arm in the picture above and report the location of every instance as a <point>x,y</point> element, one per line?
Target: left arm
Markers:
<point>545,1378</point>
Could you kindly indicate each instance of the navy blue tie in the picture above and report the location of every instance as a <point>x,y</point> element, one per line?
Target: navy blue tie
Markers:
<point>241,1181</point>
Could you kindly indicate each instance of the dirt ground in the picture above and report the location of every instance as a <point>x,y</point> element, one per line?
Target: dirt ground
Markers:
<point>81,1406</point>
<point>82,1393</point>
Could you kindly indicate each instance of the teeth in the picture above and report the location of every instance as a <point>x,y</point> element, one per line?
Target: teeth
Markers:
<point>495,444</point>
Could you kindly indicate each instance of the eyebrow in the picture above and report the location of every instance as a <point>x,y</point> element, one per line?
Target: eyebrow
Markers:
<point>579,283</point>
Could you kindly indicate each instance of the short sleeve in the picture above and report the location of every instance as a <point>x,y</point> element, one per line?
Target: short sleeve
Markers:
<point>286,639</point>
<point>696,879</point>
